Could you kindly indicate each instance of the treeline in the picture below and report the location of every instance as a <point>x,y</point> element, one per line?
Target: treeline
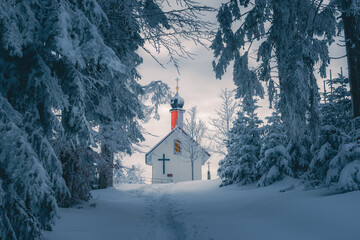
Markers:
<point>289,41</point>
<point>261,153</point>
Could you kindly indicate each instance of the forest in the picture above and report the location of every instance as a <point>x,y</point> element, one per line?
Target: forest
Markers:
<point>71,97</point>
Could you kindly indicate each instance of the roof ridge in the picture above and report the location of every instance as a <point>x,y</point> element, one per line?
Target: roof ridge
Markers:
<point>171,132</point>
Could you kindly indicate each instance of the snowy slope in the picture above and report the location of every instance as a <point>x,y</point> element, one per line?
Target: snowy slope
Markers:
<point>201,210</point>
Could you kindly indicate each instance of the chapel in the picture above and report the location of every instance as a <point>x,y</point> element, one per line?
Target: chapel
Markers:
<point>177,157</point>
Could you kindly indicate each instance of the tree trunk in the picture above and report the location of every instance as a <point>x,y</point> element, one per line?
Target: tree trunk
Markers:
<point>351,21</point>
<point>192,169</point>
<point>106,171</point>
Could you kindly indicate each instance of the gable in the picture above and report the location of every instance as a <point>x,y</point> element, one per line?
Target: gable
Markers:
<point>176,133</point>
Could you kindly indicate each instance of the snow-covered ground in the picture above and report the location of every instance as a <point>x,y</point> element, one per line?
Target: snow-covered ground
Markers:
<point>202,210</point>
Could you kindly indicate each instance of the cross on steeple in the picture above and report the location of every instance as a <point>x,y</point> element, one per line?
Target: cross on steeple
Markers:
<point>164,159</point>
<point>177,84</point>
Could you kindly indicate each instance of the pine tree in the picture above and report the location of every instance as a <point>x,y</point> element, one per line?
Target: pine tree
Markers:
<point>119,101</point>
<point>325,149</point>
<point>274,163</point>
<point>335,115</point>
<point>79,166</point>
<point>62,78</point>
<point>337,109</point>
<point>134,175</point>
<point>7,232</point>
<point>292,37</point>
<point>28,204</point>
<point>119,170</point>
<point>344,167</point>
<point>243,145</point>
<point>39,93</point>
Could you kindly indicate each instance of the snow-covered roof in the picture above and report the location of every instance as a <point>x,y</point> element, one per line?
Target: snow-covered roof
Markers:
<point>168,135</point>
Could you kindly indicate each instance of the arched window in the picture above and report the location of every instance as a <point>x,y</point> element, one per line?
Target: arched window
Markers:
<point>177,147</point>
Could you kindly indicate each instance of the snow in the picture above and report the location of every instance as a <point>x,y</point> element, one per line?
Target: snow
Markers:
<point>202,210</point>
<point>350,176</point>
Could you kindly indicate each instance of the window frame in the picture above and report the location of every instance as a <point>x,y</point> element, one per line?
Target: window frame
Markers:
<point>175,152</point>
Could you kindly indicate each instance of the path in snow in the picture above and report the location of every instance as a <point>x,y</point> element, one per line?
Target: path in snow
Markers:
<point>164,218</point>
<point>200,210</point>
<point>136,212</point>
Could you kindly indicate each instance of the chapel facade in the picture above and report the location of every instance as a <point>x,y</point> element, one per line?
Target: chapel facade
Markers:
<point>171,159</point>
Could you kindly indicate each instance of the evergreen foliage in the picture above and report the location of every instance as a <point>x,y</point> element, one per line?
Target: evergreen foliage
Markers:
<point>326,146</point>
<point>132,175</point>
<point>349,179</point>
<point>274,163</point>
<point>336,110</point>
<point>344,167</point>
<point>80,166</point>
<point>292,37</point>
<point>68,76</point>
<point>335,118</point>
<point>239,165</point>
<point>341,149</point>
<point>28,204</point>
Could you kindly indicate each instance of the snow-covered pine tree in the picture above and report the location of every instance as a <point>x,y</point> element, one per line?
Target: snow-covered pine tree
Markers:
<point>119,106</point>
<point>45,49</point>
<point>134,175</point>
<point>344,167</point>
<point>274,163</point>
<point>55,66</point>
<point>296,35</point>
<point>243,145</point>
<point>119,170</point>
<point>325,149</point>
<point>337,109</point>
<point>6,232</point>
<point>335,115</point>
<point>80,59</point>
<point>338,150</point>
<point>350,175</point>
<point>80,166</point>
<point>28,204</point>
<point>33,93</point>
<point>31,171</point>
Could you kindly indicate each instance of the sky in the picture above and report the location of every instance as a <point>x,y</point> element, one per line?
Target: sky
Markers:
<point>199,87</point>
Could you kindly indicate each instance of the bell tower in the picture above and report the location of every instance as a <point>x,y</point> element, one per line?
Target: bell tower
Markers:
<point>177,113</point>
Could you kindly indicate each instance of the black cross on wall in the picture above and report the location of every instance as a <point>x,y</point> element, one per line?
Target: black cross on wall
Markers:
<point>164,159</point>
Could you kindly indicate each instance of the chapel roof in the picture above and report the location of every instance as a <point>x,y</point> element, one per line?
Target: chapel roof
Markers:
<point>168,135</point>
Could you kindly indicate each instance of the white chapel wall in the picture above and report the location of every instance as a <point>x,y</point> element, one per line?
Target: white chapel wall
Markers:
<point>178,166</point>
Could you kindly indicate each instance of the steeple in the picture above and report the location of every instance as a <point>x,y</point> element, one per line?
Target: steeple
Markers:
<point>177,84</point>
<point>177,113</point>
<point>177,101</point>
